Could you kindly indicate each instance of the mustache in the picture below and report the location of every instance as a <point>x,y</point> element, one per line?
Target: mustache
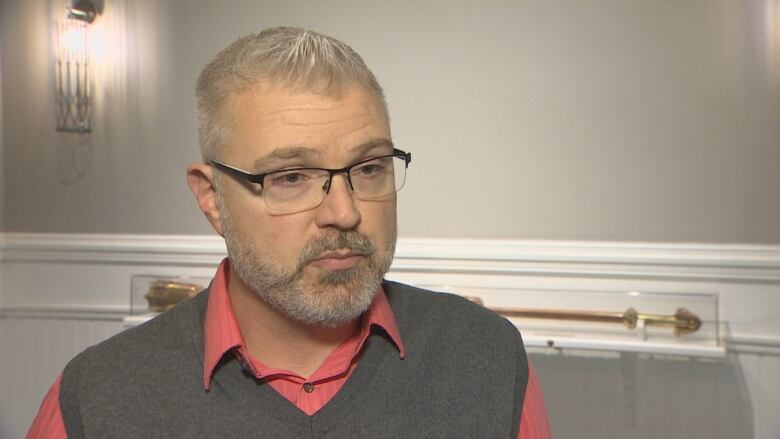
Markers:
<point>336,240</point>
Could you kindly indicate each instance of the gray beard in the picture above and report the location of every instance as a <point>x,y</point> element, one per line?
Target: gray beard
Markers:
<point>334,299</point>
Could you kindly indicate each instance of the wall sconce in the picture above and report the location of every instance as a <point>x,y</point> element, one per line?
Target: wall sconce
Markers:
<point>73,68</point>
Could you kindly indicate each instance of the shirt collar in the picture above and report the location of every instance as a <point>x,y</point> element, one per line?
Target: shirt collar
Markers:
<point>221,332</point>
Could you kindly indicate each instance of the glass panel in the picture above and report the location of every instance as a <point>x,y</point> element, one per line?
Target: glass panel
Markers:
<point>151,294</point>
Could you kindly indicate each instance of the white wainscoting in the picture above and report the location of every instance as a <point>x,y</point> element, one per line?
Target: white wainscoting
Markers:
<point>60,293</point>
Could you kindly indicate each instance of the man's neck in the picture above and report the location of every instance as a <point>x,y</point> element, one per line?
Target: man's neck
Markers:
<point>277,341</point>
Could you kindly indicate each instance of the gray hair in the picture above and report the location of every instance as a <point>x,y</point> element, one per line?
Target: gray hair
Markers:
<point>291,57</point>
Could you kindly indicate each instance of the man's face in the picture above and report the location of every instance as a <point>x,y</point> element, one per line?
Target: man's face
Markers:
<point>321,266</point>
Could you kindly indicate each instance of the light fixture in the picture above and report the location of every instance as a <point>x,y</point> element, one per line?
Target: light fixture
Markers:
<point>73,69</point>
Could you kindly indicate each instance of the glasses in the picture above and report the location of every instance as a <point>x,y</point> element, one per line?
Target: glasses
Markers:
<point>299,189</point>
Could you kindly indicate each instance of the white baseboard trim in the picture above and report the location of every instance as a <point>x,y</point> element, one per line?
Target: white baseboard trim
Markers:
<point>176,250</point>
<point>100,313</point>
<point>752,344</point>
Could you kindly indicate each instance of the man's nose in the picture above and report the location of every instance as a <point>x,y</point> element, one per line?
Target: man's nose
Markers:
<point>338,209</point>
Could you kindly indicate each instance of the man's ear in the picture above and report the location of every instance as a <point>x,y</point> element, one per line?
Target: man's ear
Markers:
<point>200,178</point>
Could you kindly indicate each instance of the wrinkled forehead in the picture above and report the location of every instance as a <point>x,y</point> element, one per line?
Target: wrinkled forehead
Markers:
<point>267,117</point>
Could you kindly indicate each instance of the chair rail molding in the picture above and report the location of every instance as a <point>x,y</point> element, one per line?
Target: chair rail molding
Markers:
<point>720,262</point>
<point>87,276</point>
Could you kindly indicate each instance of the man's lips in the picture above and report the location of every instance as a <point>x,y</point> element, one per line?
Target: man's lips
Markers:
<point>338,260</point>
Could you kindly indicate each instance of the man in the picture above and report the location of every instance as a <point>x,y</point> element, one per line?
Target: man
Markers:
<point>298,335</point>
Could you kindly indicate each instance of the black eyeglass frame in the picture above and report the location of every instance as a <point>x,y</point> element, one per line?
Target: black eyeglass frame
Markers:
<point>258,178</point>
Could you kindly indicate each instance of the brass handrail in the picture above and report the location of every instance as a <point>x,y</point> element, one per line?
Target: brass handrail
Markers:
<point>165,294</point>
<point>683,321</point>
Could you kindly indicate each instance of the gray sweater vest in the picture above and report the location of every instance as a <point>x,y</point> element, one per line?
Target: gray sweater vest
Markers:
<point>464,376</point>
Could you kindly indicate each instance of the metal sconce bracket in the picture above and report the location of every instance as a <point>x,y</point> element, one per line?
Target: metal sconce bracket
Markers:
<point>73,68</point>
<point>83,10</point>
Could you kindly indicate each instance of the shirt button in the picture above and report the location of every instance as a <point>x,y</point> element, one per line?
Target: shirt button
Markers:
<point>308,387</point>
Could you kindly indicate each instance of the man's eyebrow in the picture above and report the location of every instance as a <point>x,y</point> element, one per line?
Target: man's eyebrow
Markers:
<point>278,155</point>
<point>364,148</point>
<point>305,152</point>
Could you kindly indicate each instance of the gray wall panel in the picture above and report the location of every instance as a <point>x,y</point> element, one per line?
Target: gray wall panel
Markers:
<point>594,120</point>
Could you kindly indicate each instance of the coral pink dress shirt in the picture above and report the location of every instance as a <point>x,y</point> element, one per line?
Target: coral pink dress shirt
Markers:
<point>222,335</point>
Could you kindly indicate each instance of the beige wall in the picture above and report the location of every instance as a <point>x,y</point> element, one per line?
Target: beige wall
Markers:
<point>2,150</point>
<point>591,120</point>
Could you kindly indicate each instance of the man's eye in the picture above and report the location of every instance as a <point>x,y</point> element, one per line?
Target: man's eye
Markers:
<point>289,179</point>
<point>369,169</point>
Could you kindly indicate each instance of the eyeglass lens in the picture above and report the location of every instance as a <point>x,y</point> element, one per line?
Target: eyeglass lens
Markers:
<point>302,189</point>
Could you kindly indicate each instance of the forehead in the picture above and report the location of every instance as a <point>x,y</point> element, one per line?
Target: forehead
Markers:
<point>265,119</point>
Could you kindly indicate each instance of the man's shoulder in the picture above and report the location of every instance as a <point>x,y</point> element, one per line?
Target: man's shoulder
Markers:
<point>169,334</point>
<point>155,360</point>
<point>413,305</point>
<point>450,334</point>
